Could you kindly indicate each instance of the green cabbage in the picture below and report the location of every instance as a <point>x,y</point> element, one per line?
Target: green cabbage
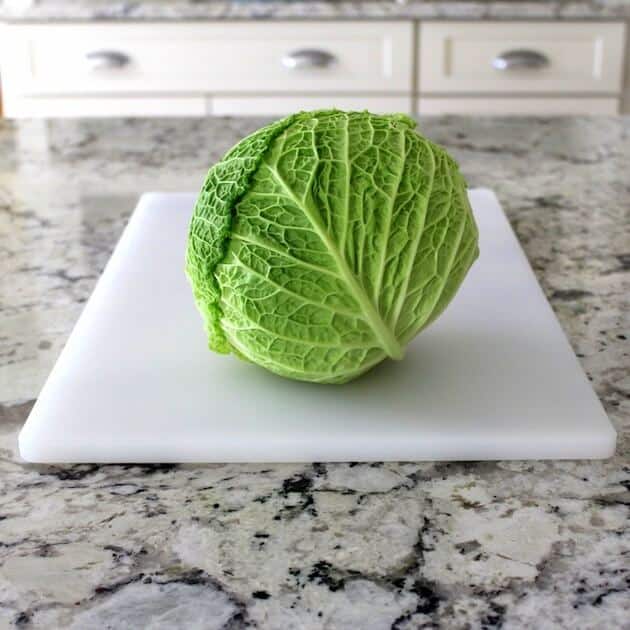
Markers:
<point>325,242</point>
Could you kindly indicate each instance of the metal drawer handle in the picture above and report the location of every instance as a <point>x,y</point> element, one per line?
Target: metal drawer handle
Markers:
<point>520,59</point>
<point>106,59</point>
<point>307,58</point>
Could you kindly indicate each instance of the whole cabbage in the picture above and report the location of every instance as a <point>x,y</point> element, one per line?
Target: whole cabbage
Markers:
<point>325,242</point>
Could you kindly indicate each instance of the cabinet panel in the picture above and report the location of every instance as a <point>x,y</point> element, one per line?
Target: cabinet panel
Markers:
<point>517,106</point>
<point>103,106</point>
<point>277,57</point>
<point>87,106</point>
<point>281,105</point>
<point>509,57</point>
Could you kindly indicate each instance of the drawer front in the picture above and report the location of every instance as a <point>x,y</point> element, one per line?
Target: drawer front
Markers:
<point>511,106</point>
<point>508,57</point>
<point>212,57</point>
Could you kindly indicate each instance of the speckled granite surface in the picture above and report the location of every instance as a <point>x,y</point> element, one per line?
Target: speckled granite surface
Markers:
<point>341,9</point>
<point>476,545</point>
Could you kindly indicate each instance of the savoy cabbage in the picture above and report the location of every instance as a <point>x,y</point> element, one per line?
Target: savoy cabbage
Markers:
<point>323,243</point>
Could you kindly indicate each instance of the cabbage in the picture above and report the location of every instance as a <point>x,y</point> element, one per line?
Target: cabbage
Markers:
<point>325,242</point>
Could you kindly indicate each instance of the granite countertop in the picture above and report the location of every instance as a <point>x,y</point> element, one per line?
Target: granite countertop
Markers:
<point>64,10</point>
<point>336,546</point>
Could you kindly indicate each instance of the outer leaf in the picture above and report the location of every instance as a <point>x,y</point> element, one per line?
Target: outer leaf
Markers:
<point>348,233</point>
<point>210,226</point>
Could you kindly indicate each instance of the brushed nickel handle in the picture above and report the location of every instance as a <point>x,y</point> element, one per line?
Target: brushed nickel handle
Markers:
<point>520,59</point>
<point>307,58</point>
<point>106,59</point>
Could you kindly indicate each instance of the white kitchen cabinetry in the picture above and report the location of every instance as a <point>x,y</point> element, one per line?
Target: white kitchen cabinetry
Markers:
<point>271,68</point>
<point>493,106</point>
<point>515,67</point>
<point>271,105</point>
<point>205,66</point>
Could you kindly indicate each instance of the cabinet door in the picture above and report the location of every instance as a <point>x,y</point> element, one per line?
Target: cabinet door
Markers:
<point>213,57</point>
<point>517,57</point>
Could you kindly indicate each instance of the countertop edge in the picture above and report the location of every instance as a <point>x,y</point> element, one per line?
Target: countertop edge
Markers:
<point>186,10</point>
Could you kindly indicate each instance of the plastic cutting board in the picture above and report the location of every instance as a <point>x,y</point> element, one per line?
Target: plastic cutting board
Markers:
<point>493,378</point>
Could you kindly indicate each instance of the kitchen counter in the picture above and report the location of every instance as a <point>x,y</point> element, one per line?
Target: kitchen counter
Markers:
<point>342,546</point>
<point>63,10</point>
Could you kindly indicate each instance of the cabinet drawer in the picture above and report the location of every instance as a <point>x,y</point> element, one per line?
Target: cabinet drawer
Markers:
<point>508,57</point>
<point>159,58</point>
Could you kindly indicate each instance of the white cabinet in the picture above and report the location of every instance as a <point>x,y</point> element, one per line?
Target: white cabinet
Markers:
<point>515,57</point>
<point>103,106</point>
<point>520,68</point>
<point>271,68</point>
<point>272,105</point>
<point>209,63</point>
<point>509,106</point>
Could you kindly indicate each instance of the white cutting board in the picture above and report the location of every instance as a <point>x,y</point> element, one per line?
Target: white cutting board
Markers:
<point>493,378</point>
